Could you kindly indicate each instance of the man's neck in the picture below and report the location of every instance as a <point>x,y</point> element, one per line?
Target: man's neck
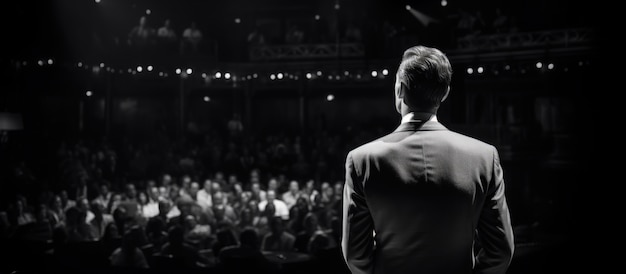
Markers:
<point>418,117</point>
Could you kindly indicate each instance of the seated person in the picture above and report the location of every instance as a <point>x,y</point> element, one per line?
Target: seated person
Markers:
<point>245,257</point>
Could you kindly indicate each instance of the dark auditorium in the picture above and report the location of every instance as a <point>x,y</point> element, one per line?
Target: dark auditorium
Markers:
<point>296,137</point>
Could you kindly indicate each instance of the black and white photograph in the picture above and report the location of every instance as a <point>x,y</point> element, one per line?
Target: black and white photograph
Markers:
<point>302,136</point>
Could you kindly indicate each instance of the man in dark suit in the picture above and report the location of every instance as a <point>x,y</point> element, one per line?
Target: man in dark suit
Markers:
<point>424,199</point>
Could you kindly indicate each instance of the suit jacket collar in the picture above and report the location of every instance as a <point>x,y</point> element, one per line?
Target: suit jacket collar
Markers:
<point>415,126</point>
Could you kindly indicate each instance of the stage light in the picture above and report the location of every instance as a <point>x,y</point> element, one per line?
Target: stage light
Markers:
<point>203,75</point>
<point>50,62</point>
<point>330,97</point>
<point>480,70</point>
<point>101,65</point>
<point>139,69</point>
<point>206,99</point>
<point>280,75</point>
<point>161,73</point>
<point>255,75</point>
<point>227,75</point>
<point>385,72</point>
<point>317,17</point>
<point>346,73</point>
<point>237,20</point>
<point>507,67</point>
<point>40,62</point>
<point>309,75</point>
<point>408,7</point>
<point>189,71</point>
<point>550,66</point>
<point>470,70</point>
<point>539,65</point>
<point>97,1</point>
<point>80,64</point>
<point>374,73</point>
<point>218,75</point>
<point>272,76</point>
<point>178,71</point>
<point>89,93</point>
<point>148,11</point>
<point>444,3</point>
<point>319,73</point>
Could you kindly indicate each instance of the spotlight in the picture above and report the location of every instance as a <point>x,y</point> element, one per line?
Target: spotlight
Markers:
<point>330,97</point>
<point>139,69</point>
<point>189,71</point>
<point>218,75</point>
<point>178,71</point>
<point>385,72</point>
<point>309,75</point>
<point>374,73</point>
<point>539,65</point>
<point>206,99</point>
<point>227,75</point>
<point>150,68</point>
<point>89,93</point>
<point>237,20</point>
<point>470,70</point>
<point>408,7</point>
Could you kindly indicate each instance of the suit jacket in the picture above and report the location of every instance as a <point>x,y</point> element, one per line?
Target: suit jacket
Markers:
<point>424,199</point>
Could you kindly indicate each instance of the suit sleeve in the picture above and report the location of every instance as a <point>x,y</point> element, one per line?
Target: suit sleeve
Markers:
<point>357,241</point>
<point>494,229</point>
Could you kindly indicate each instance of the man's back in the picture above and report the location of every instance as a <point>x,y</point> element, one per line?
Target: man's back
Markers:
<point>424,189</point>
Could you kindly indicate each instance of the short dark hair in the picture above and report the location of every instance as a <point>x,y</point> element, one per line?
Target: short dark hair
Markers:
<point>427,74</point>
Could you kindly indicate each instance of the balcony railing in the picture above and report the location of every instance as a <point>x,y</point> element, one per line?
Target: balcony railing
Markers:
<point>526,40</point>
<point>305,51</point>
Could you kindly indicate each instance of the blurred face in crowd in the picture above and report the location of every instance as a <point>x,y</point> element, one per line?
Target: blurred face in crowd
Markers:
<point>272,184</point>
<point>216,187</point>
<point>255,188</point>
<point>194,187</point>
<point>207,185</point>
<point>104,190</point>
<point>294,187</point>
<point>154,193</point>
<point>218,198</point>
<point>186,181</point>
<point>143,198</point>
<point>131,191</point>
<point>232,179</point>
<point>166,180</point>
<point>271,195</point>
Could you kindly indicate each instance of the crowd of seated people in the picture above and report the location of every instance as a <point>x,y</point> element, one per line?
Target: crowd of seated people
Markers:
<point>183,218</point>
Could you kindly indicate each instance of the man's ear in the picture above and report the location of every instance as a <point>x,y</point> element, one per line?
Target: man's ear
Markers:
<point>401,92</point>
<point>445,96</point>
